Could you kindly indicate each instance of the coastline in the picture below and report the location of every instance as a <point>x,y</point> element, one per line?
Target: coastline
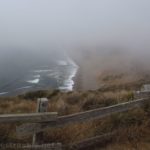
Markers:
<point>71,83</point>
<point>77,80</point>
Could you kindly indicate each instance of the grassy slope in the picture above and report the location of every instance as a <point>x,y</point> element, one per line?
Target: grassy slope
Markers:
<point>117,83</point>
<point>132,128</point>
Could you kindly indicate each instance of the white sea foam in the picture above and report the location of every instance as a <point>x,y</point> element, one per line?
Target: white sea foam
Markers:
<point>69,83</point>
<point>54,75</point>
<point>42,71</point>
<point>25,87</point>
<point>35,81</point>
<point>3,93</point>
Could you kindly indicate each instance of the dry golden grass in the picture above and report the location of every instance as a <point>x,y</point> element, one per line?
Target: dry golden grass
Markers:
<point>132,128</point>
<point>128,146</point>
<point>16,105</point>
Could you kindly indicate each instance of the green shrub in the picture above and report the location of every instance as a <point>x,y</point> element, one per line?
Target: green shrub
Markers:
<point>35,94</point>
<point>53,93</point>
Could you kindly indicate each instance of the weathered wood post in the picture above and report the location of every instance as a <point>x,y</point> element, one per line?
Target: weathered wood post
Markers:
<point>42,106</point>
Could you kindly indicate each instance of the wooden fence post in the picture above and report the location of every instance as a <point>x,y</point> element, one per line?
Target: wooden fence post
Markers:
<point>42,106</point>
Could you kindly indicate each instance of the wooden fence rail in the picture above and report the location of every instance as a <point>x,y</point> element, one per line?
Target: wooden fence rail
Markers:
<point>32,117</point>
<point>52,146</point>
<point>90,142</point>
<point>42,120</point>
<point>80,117</point>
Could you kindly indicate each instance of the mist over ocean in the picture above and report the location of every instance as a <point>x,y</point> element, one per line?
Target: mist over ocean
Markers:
<point>22,71</point>
<point>35,34</point>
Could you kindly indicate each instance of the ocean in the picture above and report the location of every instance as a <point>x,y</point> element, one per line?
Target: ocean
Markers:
<point>22,75</point>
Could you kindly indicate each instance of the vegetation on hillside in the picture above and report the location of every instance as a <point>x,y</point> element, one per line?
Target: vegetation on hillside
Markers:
<point>131,129</point>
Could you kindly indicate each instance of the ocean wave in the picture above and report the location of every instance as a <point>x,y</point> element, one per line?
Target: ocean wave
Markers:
<point>68,84</point>
<point>3,93</point>
<point>35,81</point>
<point>55,75</point>
<point>25,87</point>
<point>43,71</point>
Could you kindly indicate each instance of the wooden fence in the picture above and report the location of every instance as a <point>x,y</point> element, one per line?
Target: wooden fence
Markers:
<point>36,123</point>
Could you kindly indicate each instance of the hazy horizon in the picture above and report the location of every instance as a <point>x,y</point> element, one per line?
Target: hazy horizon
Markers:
<point>35,32</point>
<point>34,25</point>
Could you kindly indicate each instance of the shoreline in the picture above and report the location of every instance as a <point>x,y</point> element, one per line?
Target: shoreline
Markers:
<point>70,84</point>
<point>78,80</point>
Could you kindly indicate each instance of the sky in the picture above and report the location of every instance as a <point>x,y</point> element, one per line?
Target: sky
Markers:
<point>38,25</point>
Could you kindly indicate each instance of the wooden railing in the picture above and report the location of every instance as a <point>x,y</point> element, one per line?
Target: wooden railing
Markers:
<point>42,120</point>
<point>32,117</point>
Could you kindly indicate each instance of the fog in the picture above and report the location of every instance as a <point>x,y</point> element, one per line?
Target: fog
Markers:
<point>85,29</point>
<point>44,25</point>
